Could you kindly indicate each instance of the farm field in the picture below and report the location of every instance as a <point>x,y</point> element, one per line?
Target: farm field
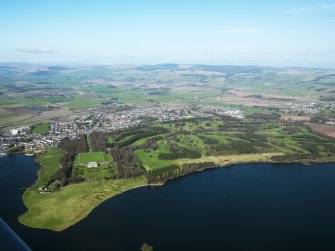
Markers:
<point>327,130</point>
<point>26,91</point>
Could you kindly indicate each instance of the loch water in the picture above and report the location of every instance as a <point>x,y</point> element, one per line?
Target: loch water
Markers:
<point>243,207</point>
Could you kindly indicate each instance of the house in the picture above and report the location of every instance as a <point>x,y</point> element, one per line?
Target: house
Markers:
<point>92,164</point>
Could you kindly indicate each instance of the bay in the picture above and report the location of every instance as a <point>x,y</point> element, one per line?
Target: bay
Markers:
<point>244,207</point>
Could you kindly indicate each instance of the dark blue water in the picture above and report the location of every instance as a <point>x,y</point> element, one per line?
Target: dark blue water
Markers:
<point>245,207</point>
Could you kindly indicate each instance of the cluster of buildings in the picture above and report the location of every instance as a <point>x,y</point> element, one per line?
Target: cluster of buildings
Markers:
<point>303,108</point>
<point>105,121</point>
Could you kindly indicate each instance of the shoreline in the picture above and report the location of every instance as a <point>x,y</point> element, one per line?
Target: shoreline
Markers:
<point>159,184</point>
<point>114,192</point>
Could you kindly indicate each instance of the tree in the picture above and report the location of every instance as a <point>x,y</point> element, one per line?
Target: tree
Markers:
<point>146,247</point>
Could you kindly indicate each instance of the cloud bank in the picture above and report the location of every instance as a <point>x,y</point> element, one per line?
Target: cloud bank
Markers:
<point>242,30</point>
<point>35,50</point>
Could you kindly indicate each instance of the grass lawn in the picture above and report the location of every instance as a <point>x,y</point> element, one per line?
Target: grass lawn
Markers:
<point>150,160</point>
<point>41,128</point>
<point>59,210</point>
<point>49,165</point>
<point>84,158</point>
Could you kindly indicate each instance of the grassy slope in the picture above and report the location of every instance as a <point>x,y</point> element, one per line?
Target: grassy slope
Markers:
<point>49,163</point>
<point>231,159</point>
<point>150,161</point>
<point>59,210</point>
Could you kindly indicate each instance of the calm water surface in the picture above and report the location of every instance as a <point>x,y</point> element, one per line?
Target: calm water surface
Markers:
<point>245,207</point>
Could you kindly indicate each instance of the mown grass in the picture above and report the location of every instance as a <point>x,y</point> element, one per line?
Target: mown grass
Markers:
<point>40,128</point>
<point>59,210</point>
<point>150,160</point>
<point>84,158</point>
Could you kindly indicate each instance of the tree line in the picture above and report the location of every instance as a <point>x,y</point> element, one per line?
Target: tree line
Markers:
<point>64,174</point>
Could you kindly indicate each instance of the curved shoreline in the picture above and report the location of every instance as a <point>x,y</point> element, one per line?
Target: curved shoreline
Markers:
<point>59,210</point>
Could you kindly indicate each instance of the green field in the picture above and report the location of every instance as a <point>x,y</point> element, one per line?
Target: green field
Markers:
<point>88,87</point>
<point>40,128</point>
<point>80,102</point>
<point>84,158</point>
<point>233,138</point>
<point>59,210</point>
<point>49,165</point>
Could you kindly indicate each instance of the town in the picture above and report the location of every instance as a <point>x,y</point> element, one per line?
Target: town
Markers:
<point>23,139</point>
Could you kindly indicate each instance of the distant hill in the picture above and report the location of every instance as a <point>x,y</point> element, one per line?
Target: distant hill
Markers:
<point>216,68</point>
<point>158,67</point>
<point>228,68</point>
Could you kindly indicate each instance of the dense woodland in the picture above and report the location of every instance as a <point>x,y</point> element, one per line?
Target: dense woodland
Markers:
<point>127,163</point>
<point>71,148</point>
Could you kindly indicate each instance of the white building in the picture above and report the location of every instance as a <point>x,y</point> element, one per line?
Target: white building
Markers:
<point>92,164</point>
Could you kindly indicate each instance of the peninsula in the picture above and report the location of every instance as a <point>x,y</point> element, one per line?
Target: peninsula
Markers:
<point>116,128</point>
<point>79,174</point>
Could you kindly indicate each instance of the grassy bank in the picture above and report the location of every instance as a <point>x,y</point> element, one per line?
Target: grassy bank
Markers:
<point>231,159</point>
<point>49,165</point>
<point>59,210</point>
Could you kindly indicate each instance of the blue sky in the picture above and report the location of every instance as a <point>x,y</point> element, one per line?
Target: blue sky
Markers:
<point>268,32</point>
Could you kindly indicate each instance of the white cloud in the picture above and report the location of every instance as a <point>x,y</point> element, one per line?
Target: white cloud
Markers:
<point>35,50</point>
<point>309,8</point>
<point>243,30</point>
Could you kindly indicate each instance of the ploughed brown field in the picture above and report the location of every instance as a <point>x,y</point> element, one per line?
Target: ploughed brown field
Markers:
<point>328,130</point>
